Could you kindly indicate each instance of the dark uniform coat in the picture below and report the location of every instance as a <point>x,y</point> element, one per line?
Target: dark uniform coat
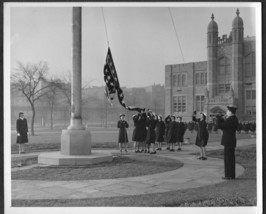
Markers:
<point>151,136</point>
<point>22,129</point>
<point>167,122</point>
<point>172,132</point>
<point>180,131</point>
<point>160,129</point>
<point>122,136</point>
<point>229,127</point>
<point>140,131</point>
<point>203,134</point>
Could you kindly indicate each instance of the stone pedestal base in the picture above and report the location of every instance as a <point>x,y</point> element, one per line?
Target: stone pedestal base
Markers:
<point>56,158</point>
<point>75,142</point>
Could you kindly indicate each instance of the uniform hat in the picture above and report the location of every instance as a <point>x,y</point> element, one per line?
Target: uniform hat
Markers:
<point>122,115</point>
<point>203,114</point>
<point>232,107</point>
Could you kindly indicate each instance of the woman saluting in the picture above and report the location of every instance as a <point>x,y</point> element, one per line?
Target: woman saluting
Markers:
<point>202,135</point>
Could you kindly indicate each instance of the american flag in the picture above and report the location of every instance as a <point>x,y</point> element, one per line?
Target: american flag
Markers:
<point>112,83</point>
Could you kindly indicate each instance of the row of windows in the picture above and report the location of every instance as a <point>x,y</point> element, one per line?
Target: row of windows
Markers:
<point>200,101</point>
<point>250,94</point>
<point>180,104</point>
<point>224,88</point>
<point>201,78</point>
<point>179,80</point>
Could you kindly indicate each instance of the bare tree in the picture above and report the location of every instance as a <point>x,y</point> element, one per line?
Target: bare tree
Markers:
<point>51,97</point>
<point>28,80</point>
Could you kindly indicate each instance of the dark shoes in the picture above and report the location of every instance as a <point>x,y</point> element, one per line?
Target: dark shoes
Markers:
<point>153,152</point>
<point>171,150</point>
<point>168,148</point>
<point>159,149</point>
<point>202,158</point>
<point>228,178</point>
<point>179,149</point>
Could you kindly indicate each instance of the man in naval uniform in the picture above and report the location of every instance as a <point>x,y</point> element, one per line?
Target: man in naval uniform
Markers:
<point>228,124</point>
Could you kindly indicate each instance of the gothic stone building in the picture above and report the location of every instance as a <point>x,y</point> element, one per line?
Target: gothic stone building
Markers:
<point>227,77</point>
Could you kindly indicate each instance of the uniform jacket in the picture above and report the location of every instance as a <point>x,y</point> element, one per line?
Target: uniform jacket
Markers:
<point>151,136</point>
<point>203,134</point>
<point>229,127</point>
<point>122,136</point>
<point>180,131</point>
<point>172,132</point>
<point>140,131</point>
<point>160,129</point>
<point>167,122</point>
<point>22,129</point>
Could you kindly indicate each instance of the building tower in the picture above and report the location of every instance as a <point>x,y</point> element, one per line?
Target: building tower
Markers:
<point>212,47</point>
<point>237,61</point>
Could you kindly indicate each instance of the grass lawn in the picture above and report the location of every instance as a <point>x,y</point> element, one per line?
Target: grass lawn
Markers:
<point>120,167</point>
<point>47,141</point>
<point>238,192</point>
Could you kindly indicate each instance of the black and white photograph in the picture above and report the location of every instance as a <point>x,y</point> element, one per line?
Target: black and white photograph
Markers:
<point>133,107</point>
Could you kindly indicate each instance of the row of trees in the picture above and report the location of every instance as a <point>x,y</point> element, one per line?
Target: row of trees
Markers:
<point>32,81</point>
<point>40,90</point>
<point>245,126</point>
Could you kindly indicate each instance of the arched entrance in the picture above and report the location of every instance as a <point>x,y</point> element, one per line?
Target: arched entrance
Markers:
<point>218,109</point>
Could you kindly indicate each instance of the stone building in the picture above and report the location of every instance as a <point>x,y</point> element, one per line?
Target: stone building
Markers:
<point>227,77</point>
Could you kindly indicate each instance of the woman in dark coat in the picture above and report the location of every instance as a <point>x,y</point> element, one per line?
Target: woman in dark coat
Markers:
<point>172,133</point>
<point>151,135</point>
<point>180,131</point>
<point>167,121</point>
<point>140,131</point>
<point>202,135</point>
<point>22,132</point>
<point>160,129</point>
<point>122,136</point>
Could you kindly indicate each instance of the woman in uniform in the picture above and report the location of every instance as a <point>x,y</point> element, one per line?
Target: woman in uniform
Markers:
<point>22,132</point>
<point>122,136</point>
<point>202,135</point>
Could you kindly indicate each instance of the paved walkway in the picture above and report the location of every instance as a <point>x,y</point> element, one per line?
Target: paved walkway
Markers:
<point>194,173</point>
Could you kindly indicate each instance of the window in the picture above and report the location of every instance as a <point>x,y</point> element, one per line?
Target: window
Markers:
<point>221,88</point>
<point>224,66</point>
<point>197,78</point>
<point>201,78</point>
<point>200,101</point>
<point>251,110</point>
<point>179,103</point>
<point>250,94</point>
<point>227,87</point>
<point>179,80</point>
<point>250,65</point>
<point>183,79</point>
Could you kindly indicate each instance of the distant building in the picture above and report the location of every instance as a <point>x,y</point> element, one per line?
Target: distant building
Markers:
<point>227,77</point>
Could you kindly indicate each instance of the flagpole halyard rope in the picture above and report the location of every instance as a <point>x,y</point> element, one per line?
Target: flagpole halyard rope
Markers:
<point>105,28</point>
<point>176,34</point>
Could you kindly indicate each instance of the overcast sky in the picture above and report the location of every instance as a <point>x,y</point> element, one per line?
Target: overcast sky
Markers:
<point>142,39</point>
